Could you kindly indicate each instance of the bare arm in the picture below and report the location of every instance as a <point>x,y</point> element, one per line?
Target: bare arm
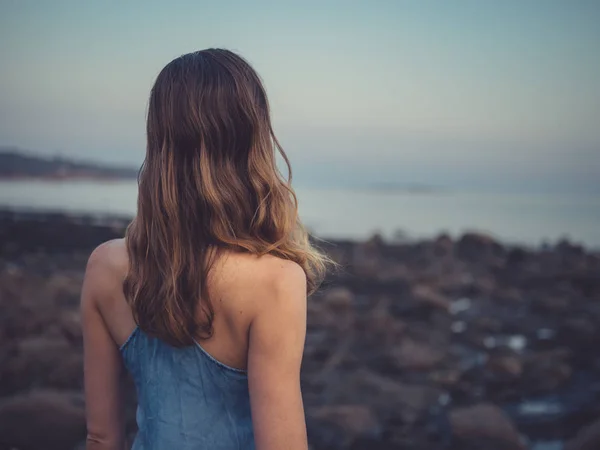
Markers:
<point>103,367</point>
<point>276,344</point>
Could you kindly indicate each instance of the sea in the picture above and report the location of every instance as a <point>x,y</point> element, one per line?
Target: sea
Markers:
<point>526,219</point>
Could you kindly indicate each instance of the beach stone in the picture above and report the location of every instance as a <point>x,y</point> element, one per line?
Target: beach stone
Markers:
<point>586,439</point>
<point>447,378</point>
<point>414,355</point>
<point>42,361</point>
<point>339,299</point>
<point>508,365</point>
<point>580,332</point>
<point>551,304</point>
<point>47,420</point>
<point>509,295</point>
<point>351,421</point>
<point>478,247</point>
<point>386,355</point>
<point>443,245</point>
<point>388,397</point>
<point>319,315</point>
<point>426,295</point>
<point>547,370</point>
<point>485,425</point>
<point>70,324</point>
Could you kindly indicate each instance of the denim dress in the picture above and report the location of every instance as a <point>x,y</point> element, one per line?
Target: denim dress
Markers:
<point>187,400</point>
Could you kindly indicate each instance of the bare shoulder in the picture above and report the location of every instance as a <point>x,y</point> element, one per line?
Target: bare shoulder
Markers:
<point>106,270</point>
<point>277,273</point>
<point>283,292</point>
<point>111,256</point>
<point>263,272</point>
<point>263,280</point>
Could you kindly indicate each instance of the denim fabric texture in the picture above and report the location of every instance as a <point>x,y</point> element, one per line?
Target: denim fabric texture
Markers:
<point>187,400</point>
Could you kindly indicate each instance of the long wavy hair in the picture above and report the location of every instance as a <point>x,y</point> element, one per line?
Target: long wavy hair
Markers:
<point>209,182</point>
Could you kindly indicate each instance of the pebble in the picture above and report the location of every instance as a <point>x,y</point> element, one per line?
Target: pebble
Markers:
<point>460,305</point>
<point>458,327</point>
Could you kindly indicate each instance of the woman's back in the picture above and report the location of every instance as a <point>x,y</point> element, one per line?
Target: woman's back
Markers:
<point>216,256</point>
<point>197,396</point>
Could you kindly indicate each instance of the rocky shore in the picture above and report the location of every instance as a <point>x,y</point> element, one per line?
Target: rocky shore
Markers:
<point>443,344</point>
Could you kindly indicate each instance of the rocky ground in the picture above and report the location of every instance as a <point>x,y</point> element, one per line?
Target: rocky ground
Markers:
<point>442,344</point>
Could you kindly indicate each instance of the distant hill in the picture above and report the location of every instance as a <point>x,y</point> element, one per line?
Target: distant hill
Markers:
<point>18,164</point>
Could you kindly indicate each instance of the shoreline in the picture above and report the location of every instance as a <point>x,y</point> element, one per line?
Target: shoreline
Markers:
<point>115,219</point>
<point>443,343</point>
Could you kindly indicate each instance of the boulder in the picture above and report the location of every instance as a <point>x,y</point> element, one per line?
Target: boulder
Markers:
<point>353,421</point>
<point>63,289</point>
<point>443,245</point>
<point>486,425</point>
<point>70,324</point>
<point>587,439</point>
<point>379,328</point>
<point>339,299</point>
<point>414,355</point>
<point>42,361</point>
<point>478,247</point>
<point>428,296</point>
<point>505,365</point>
<point>446,378</point>
<point>47,420</point>
<point>547,370</point>
<point>408,402</point>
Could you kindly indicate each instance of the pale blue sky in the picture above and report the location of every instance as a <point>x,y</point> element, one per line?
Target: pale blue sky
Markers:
<point>478,93</point>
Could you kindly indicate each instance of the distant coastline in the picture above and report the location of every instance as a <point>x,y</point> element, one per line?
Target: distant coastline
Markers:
<point>18,164</point>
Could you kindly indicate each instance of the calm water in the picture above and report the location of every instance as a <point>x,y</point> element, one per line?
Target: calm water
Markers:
<point>358,214</point>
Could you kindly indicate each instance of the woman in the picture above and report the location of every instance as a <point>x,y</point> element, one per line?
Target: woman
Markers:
<point>204,301</point>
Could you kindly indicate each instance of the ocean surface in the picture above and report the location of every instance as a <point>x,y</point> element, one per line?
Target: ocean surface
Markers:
<point>341,213</point>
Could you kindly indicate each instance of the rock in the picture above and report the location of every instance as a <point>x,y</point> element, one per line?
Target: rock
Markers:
<point>387,353</point>
<point>566,247</point>
<point>508,295</point>
<point>387,397</point>
<point>446,378</point>
<point>487,324</point>
<point>339,299</point>
<point>552,304</point>
<point>459,306</point>
<point>478,247</point>
<point>413,355</point>
<point>581,332</point>
<point>587,439</point>
<point>354,421</point>
<point>394,272</point>
<point>68,373</point>
<point>62,291</point>
<point>507,365</point>
<point>429,297</point>
<point>381,329</point>
<point>482,286</point>
<point>485,424</point>
<point>46,420</point>
<point>374,244</point>
<point>319,315</point>
<point>43,362</point>
<point>366,259</point>
<point>517,256</point>
<point>443,245</point>
<point>548,370</point>
<point>70,323</point>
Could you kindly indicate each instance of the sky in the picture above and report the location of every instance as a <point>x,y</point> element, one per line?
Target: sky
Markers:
<point>473,94</point>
